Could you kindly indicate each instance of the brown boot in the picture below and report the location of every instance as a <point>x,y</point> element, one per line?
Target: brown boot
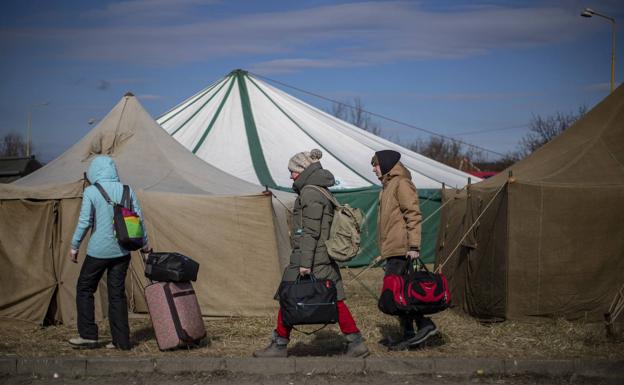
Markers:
<point>356,346</point>
<point>277,348</point>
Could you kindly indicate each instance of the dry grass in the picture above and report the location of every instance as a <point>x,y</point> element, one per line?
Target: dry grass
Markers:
<point>232,337</point>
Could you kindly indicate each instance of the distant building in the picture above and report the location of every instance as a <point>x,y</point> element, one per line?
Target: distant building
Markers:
<point>13,168</point>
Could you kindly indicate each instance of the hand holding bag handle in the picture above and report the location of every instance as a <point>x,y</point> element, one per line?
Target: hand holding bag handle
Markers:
<point>417,261</point>
<point>298,280</point>
<point>301,277</point>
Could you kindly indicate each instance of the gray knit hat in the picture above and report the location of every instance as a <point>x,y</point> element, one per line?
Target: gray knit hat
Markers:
<point>302,160</point>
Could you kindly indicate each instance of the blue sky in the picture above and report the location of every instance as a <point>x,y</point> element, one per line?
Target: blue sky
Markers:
<point>453,67</point>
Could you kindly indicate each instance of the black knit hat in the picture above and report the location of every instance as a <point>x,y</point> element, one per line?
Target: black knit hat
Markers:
<point>386,159</point>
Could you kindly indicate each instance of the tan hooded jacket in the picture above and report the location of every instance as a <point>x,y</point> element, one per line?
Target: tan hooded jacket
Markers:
<point>399,217</point>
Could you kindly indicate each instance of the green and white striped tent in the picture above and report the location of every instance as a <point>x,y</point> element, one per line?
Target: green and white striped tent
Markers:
<point>250,129</point>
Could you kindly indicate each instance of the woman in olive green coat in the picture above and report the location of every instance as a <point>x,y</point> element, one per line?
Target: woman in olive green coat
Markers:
<point>311,221</point>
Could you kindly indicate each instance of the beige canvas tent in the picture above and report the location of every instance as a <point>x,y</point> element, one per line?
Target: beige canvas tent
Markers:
<point>224,223</point>
<point>551,241</point>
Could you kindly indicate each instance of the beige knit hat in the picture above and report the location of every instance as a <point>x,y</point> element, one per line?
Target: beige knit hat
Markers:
<point>302,160</point>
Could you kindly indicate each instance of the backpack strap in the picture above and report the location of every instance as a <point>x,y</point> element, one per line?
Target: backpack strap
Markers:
<point>325,193</point>
<point>125,198</point>
<point>104,194</point>
<point>92,220</point>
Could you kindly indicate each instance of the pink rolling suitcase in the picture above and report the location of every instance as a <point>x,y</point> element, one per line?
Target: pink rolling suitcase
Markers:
<point>175,313</point>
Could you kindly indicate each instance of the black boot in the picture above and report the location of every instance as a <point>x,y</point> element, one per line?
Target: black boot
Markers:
<point>426,329</point>
<point>407,324</point>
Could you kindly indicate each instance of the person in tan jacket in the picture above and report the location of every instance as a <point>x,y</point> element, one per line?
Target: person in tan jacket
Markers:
<point>399,227</point>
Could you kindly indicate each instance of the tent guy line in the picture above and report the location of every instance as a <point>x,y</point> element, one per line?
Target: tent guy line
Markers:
<point>439,268</point>
<point>309,134</point>
<point>379,115</point>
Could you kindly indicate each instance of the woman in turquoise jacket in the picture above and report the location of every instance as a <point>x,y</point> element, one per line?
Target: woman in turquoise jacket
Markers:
<point>103,254</point>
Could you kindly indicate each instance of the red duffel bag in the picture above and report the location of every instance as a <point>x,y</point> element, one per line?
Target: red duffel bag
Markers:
<point>417,290</point>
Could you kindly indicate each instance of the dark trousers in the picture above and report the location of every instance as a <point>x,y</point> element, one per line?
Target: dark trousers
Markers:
<point>397,266</point>
<point>90,275</point>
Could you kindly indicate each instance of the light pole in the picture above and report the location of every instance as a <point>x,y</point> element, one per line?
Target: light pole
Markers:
<point>588,12</point>
<point>30,125</point>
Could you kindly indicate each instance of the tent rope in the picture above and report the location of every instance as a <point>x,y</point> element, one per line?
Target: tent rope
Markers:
<point>378,259</point>
<point>379,115</point>
<point>617,305</point>
<point>426,200</point>
<point>368,289</point>
<point>277,199</point>
<point>439,268</point>
<point>372,264</point>
<point>440,208</point>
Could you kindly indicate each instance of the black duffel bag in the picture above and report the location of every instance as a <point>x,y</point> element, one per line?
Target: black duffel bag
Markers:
<point>170,267</point>
<point>308,301</point>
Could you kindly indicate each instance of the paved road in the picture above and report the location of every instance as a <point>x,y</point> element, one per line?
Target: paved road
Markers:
<point>231,379</point>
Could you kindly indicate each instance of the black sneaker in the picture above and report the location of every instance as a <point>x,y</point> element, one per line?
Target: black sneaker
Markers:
<point>422,334</point>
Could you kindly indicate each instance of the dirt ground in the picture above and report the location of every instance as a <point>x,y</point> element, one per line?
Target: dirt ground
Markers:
<point>345,379</point>
<point>239,337</point>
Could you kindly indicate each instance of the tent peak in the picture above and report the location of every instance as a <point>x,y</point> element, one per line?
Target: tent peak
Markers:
<point>238,71</point>
<point>129,94</point>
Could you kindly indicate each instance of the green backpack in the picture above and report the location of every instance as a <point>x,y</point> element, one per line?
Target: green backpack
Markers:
<point>344,235</point>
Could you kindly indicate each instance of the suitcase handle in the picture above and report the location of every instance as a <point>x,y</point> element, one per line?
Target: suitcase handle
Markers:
<point>144,257</point>
<point>177,324</point>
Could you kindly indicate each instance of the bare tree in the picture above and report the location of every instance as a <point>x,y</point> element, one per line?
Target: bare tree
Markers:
<point>356,115</point>
<point>499,164</point>
<point>13,145</point>
<point>440,149</point>
<point>448,151</point>
<point>543,129</point>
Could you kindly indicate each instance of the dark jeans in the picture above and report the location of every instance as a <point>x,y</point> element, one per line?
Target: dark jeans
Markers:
<point>90,275</point>
<point>397,265</point>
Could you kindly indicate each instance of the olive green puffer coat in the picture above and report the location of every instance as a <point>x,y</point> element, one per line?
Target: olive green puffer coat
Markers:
<point>310,223</point>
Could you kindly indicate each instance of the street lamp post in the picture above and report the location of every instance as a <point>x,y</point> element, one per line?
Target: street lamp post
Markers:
<point>30,125</point>
<point>588,12</point>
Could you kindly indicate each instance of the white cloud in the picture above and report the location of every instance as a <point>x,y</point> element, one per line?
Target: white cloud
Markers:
<point>137,10</point>
<point>297,64</point>
<point>328,36</point>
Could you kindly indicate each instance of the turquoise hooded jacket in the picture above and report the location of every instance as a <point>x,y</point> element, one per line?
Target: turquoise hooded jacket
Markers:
<point>97,214</point>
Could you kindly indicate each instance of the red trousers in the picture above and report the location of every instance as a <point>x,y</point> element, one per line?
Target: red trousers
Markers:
<point>345,321</point>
